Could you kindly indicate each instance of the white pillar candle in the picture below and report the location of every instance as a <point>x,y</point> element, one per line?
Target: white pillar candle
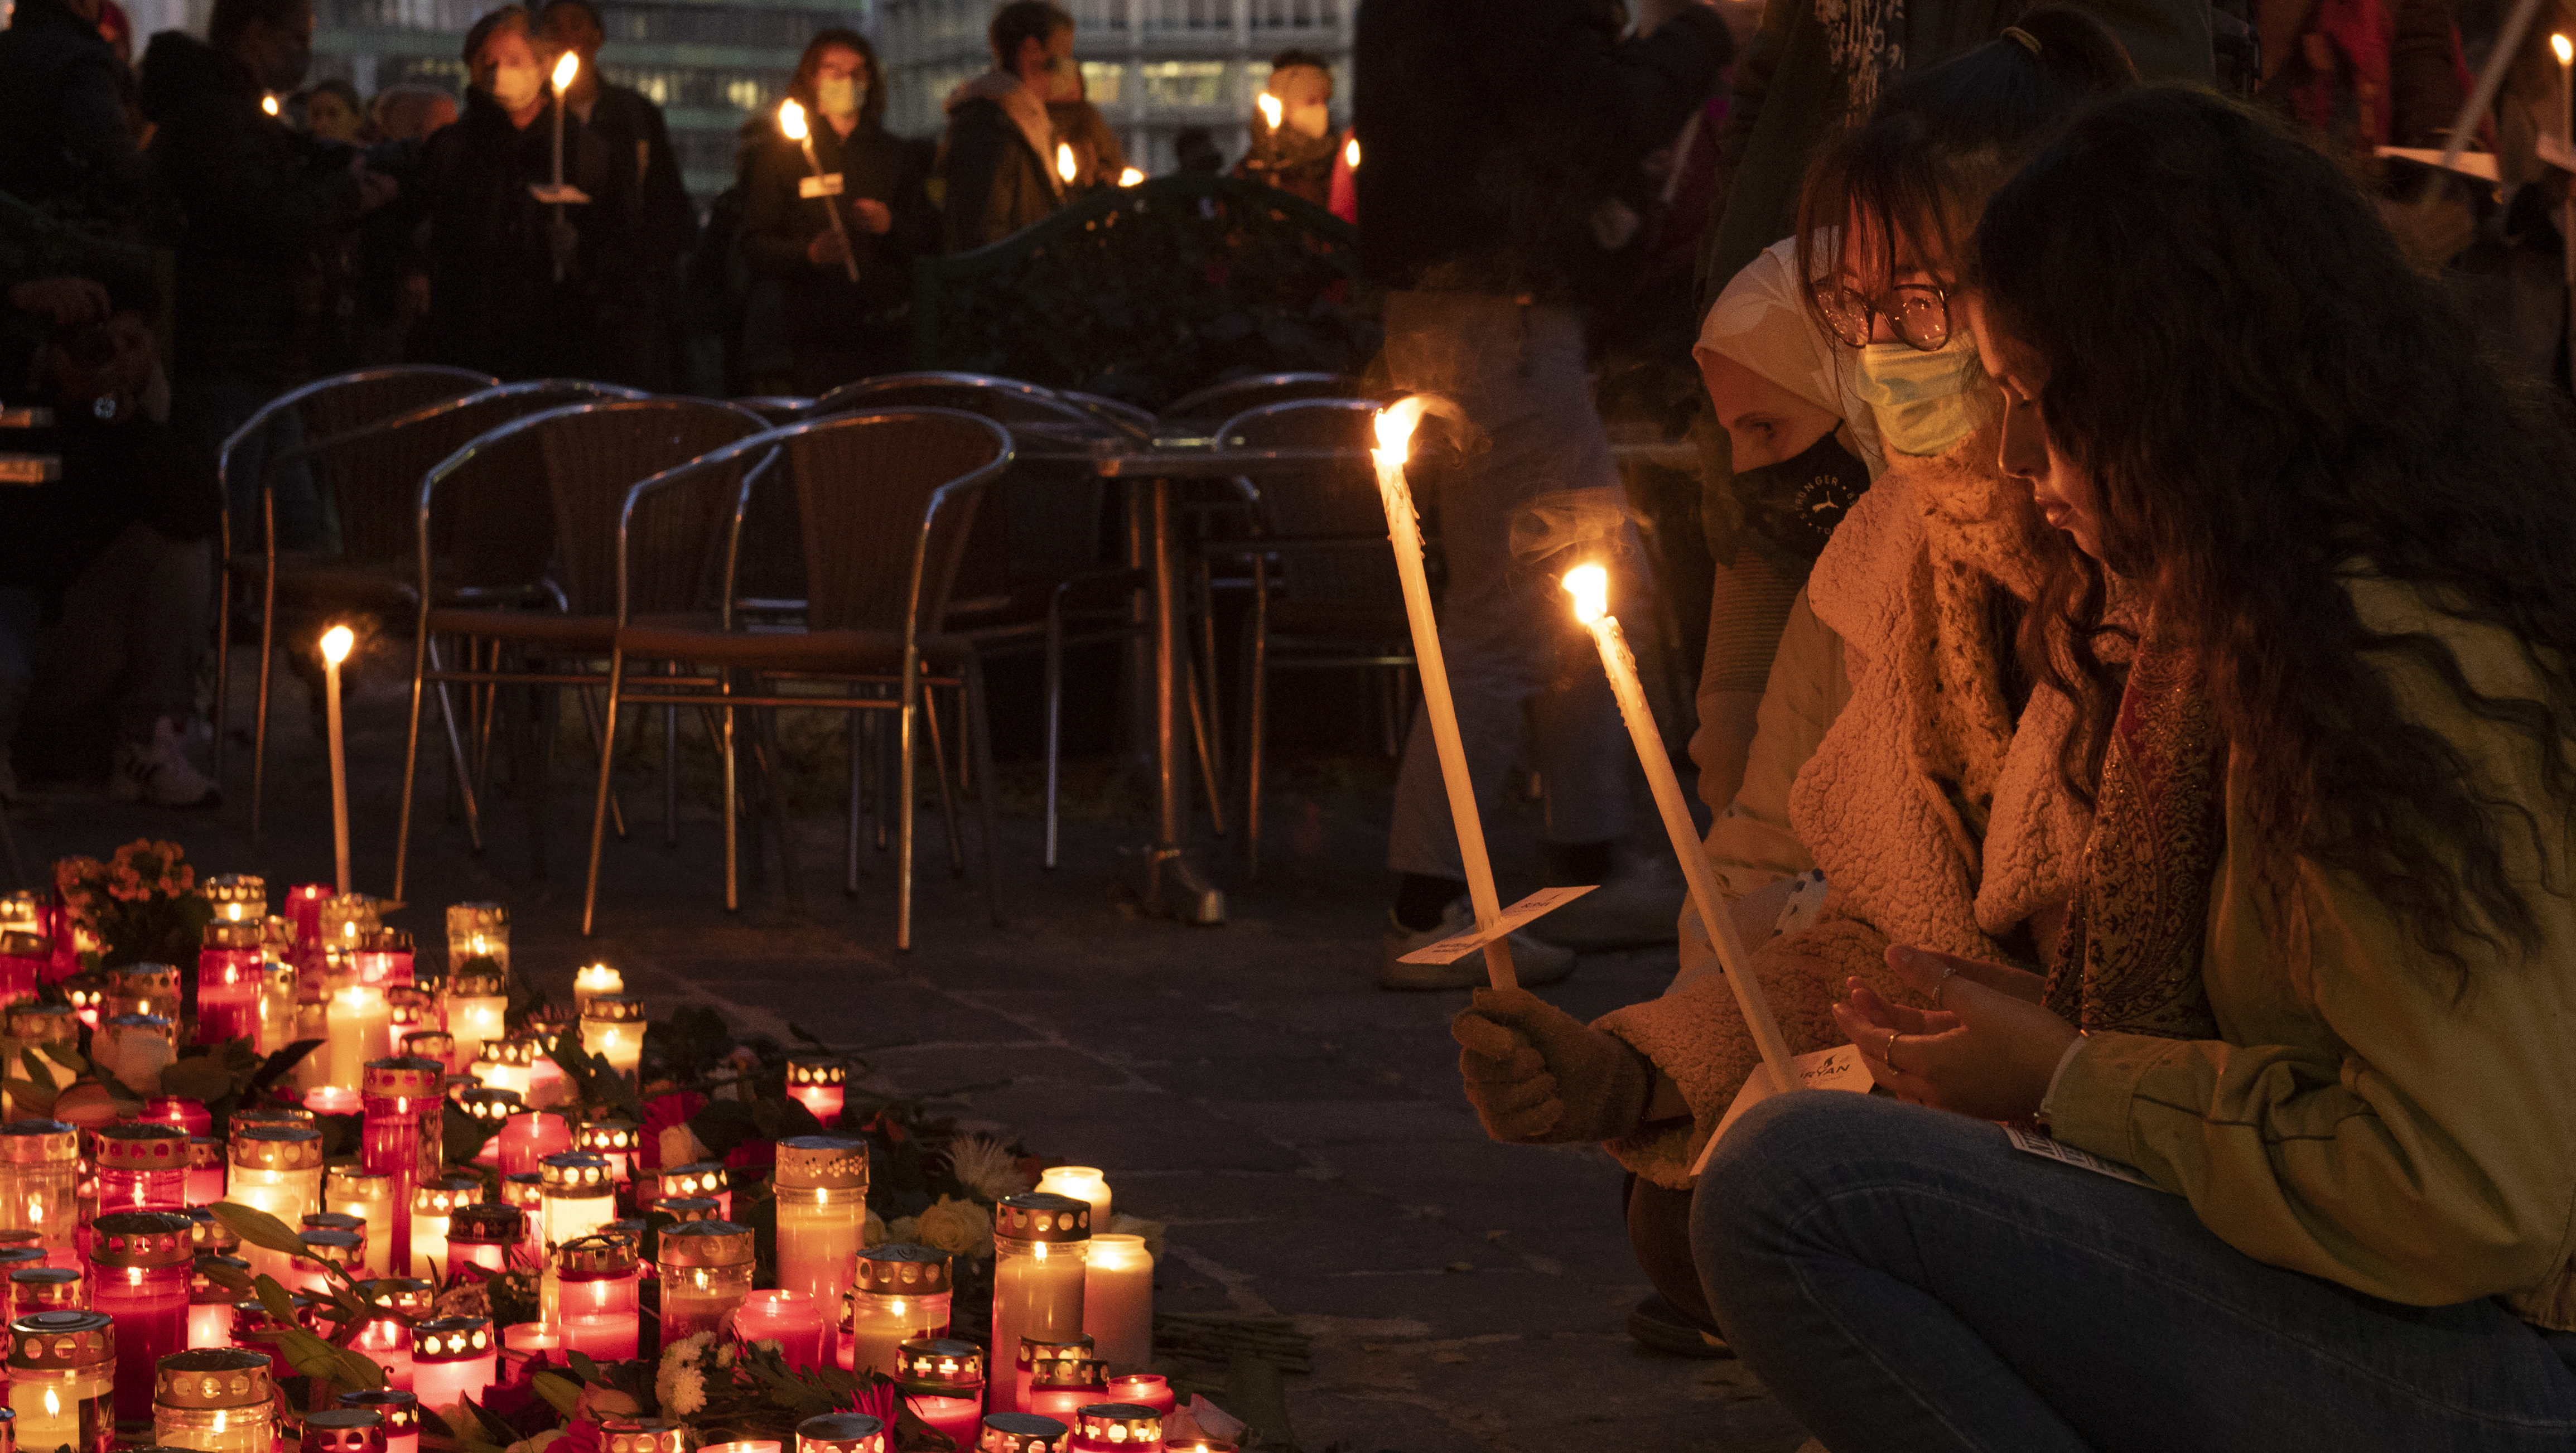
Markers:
<point>1083,1183</point>
<point>335,649</point>
<point>361,1029</point>
<point>1118,1302</point>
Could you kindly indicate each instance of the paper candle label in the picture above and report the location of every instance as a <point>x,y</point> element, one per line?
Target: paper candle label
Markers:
<point>826,185</point>
<point>1839,1068</point>
<point>1450,950</point>
<point>2031,1142</point>
<point>30,468</point>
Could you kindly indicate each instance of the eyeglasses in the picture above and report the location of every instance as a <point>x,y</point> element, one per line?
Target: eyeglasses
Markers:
<point>1919,312</point>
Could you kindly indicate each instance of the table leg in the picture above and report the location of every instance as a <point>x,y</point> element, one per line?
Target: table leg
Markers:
<point>1173,885</point>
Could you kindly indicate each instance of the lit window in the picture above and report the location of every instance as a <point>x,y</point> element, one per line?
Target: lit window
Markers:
<point>1184,83</point>
<point>1100,81</point>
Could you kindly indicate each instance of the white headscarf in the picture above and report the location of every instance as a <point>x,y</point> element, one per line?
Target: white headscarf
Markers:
<point>1761,321</point>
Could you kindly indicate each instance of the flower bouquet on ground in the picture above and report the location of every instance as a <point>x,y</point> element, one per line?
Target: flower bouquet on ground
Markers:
<point>141,906</point>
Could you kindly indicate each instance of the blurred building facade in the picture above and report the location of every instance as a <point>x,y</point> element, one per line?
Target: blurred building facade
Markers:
<point>1154,67</point>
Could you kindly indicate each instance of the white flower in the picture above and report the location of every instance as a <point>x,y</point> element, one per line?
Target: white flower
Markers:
<point>986,1167</point>
<point>724,1355</point>
<point>876,1232</point>
<point>687,1394</point>
<point>684,1350</point>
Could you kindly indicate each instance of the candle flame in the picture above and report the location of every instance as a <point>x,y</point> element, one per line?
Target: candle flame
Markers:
<point>1395,425</point>
<point>565,70</point>
<point>1064,161</point>
<point>1269,105</point>
<point>1130,177</point>
<point>2566,52</point>
<point>791,120</point>
<point>336,643</point>
<point>1351,153</point>
<point>1590,587</point>
<point>268,103</point>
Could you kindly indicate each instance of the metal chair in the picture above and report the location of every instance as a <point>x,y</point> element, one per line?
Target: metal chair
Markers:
<point>475,528</point>
<point>777,408</point>
<point>887,500</point>
<point>1221,401</point>
<point>1325,594</point>
<point>373,473</point>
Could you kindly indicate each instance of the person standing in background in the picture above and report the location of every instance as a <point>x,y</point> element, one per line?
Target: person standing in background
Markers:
<point>840,328</point>
<point>1097,156</point>
<point>661,224</point>
<point>63,131</point>
<point>998,160</point>
<point>1295,147</point>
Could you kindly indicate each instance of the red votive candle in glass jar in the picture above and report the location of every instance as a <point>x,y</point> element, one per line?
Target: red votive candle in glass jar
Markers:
<point>139,1267</point>
<point>1022,1433</point>
<point>702,1179</point>
<point>142,1167</point>
<point>943,1383</point>
<point>788,1318</point>
<point>210,1302</point>
<point>40,1183</point>
<point>528,1193</point>
<point>598,1282</point>
<point>384,957</point>
<point>492,1111</point>
<point>842,1433</point>
<point>484,1235</point>
<point>1117,1428</point>
<point>385,1339</point>
<point>400,1411</point>
<point>452,1359</point>
<point>304,916</point>
<point>529,1138</point>
<point>396,1143</point>
<point>1058,1376</point>
<point>344,1430</point>
<point>820,1083</point>
<point>231,959</point>
<point>1150,1389</point>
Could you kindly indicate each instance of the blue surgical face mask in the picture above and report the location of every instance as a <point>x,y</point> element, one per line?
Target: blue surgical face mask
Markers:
<point>1921,399</point>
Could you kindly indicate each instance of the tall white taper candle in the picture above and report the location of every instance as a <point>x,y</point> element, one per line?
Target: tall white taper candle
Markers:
<point>335,649</point>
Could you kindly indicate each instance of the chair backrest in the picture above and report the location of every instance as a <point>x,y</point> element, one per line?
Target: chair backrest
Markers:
<point>777,408</point>
<point>374,471</point>
<point>348,401</point>
<point>1005,401</point>
<point>1328,526</point>
<point>587,456</point>
<point>1220,401</point>
<point>887,499</point>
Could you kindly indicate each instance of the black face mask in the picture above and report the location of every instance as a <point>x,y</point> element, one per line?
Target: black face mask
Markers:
<point>1790,508</point>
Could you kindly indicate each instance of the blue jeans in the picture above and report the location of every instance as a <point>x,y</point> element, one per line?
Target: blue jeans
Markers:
<point>1903,1279</point>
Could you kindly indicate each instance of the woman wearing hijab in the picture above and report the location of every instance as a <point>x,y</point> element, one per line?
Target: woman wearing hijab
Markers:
<point>518,287</point>
<point>840,327</point>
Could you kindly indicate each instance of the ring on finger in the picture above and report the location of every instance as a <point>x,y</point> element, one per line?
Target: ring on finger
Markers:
<point>1889,1054</point>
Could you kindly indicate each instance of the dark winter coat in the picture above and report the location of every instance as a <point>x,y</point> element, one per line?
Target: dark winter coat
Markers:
<point>824,309</point>
<point>62,106</point>
<point>998,162</point>
<point>494,302</point>
<point>639,143</point>
<point>1495,128</point>
<point>257,203</point>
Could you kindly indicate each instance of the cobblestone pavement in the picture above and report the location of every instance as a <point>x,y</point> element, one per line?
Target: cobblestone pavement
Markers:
<point>1301,1132</point>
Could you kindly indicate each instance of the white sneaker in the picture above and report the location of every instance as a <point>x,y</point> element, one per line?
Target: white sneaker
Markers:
<point>161,773</point>
<point>1533,962</point>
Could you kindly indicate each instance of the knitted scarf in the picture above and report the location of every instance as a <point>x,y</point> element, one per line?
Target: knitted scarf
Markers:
<point>2130,957</point>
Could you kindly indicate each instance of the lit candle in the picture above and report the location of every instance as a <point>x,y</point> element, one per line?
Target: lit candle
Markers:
<point>210,1302</point>
<point>431,1204</point>
<point>139,1263</point>
<point>478,931</point>
<point>144,989</point>
<point>1039,1246</point>
<point>643,1435</point>
<point>2566,53</point>
<point>368,1198</point>
<point>706,1272</point>
<point>577,1196</point>
<point>566,69</point>
<point>399,1409</point>
<point>1590,587</point>
<point>277,1169</point>
<point>435,1044</point>
<point>385,1338</point>
<point>216,1399</point>
<point>453,1358</point>
<point>1008,1432</point>
<point>1057,1375</point>
<point>229,970</point>
<point>1118,1301</point>
<point>788,1318</point>
<point>599,1283</point>
<point>901,1295</point>
<point>705,1178</point>
<point>943,1383</point>
<point>141,1167</point>
<point>613,1029</point>
<point>527,1192</point>
<point>304,916</point>
<point>1395,426</point>
<point>1065,169</point>
<point>1151,1389</point>
<point>821,1186</point>
<point>87,994</point>
<point>614,1140</point>
<point>841,1433</point>
<point>361,1030</point>
<point>276,991</point>
<point>483,1235</point>
<point>384,958</point>
<point>491,1109</point>
<point>525,1343</point>
<point>475,1011</point>
<point>62,1378</point>
<point>399,1148</point>
<point>34,1289</point>
<point>593,979</point>
<point>820,1083</point>
<point>504,1065</point>
<point>746,1445</point>
<point>1130,177</point>
<point>791,124</point>
<point>325,1247</point>
<point>190,1117</point>
<point>335,649</point>
<point>1083,1183</point>
<point>1117,1428</point>
<point>529,1138</point>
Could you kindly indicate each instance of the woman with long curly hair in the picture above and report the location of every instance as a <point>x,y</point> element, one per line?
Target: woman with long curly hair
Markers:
<point>2317,981</point>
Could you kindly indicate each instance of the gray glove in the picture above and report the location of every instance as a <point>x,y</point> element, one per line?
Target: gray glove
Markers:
<point>1539,1076</point>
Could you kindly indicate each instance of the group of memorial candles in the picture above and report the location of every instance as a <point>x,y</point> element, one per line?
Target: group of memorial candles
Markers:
<point>118,1333</point>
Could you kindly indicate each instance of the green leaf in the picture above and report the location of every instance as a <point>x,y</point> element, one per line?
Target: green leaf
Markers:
<point>499,1430</point>
<point>561,1393</point>
<point>231,1278</point>
<point>584,1368</point>
<point>258,1228</point>
<point>199,1077</point>
<point>281,1307</point>
<point>313,1357</point>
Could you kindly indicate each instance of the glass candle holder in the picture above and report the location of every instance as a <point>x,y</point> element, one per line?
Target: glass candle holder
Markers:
<point>139,1262</point>
<point>548,1085</point>
<point>643,1435</point>
<point>144,989</point>
<point>62,1378</point>
<point>34,1289</point>
<point>1022,1433</point>
<point>188,1117</point>
<point>491,1110</point>
<point>1054,1376</point>
<point>598,1289</point>
<point>706,1272</point>
<point>26,945</point>
<point>210,1302</point>
<point>215,1400</point>
<point>528,1192</point>
<point>347,918</point>
<point>304,912</point>
<point>366,1197</point>
<point>230,961</point>
<point>399,1146</point>
<point>87,994</point>
<point>612,1027</point>
<point>326,1248</point>
<point>432,1202</point>
<point>138,1048</point>
<point>1150,1389</point>
<point>821,1186</point>
<point>29,1257</point>
<point>787,1318</point>
<point>693,1208</point>
<point>1117,1428</point>
<point>1118,1301</point>
<point>820,1083</point>
<point>901,1294</point>
<point>384,958</point>
<point>591,980</point>
<point>1083,1183</point>
<point>1040,1241</point>
<point>361,1027</point>
<point>276,991</point>
<point>744,1445</point>
<point>208,1234</point>
<point>431,1044</point>
<point>529,1137</point>
<point>841,1433</point>
<point>385,1338</point>
<point>478,931</point>
<point>313,1072</point>
<point>613,1139</point>
<point>524,1343</point>
<point>943,1382</point>
<point>399,1409</point>
<point>40,1183</point>
<point>503,1064</point>
<point>484,1235</point>
<point>577,1194</point>
<point>475,1011</point>
<point>204,1184</point>
<point>452,1359</point>
<point>141,1167</point>
<point>344,1430</point>
<point>414,1010</point>
<point>705,1178</point>
<point>277,1168</point>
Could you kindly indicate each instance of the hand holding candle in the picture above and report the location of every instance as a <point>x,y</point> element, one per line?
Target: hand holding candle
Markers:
<point>1590,587</point>
<point>792,125</point>
<point>335,649</point>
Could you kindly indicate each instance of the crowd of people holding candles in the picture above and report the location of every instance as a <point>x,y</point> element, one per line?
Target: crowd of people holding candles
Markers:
<point>167,1277</point>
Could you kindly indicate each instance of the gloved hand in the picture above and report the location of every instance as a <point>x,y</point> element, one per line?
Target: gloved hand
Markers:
<point>1539,1076</point>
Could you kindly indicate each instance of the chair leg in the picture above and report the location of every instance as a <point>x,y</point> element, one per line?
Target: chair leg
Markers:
<point>259,719</point>
<point>1199,739</point>
<point>903,812</point>
<point>224,668</point>
<point>599,801</point>
<point>1207,644</point>
<point>1256,682</point>
<point>733,887</point>
<point>671,772</point>
<point>1054,723</point>
<point>545,710</point>
<point>939,766</point>
<point>858,773</point>
<point>590,719</point>
<point>771,759</point>
<point>976,722</point>
<point>411,758</point>
<point>465,785</point>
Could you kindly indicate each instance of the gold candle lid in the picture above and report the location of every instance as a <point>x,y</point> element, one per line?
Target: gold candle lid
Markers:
<point>698,1178</point>
<point>614,1009</point>
<point>271,1115</point>
<point>1040,1354</point>
<point>526,1190</point>
<point>594,1257</point>
<point>1042,1216</point>
<point>345,1430</point>
<point>142,1238</point>
<point>399,1293</point>
<point>62,1339</point>
<point>38,1142</point>
<point>355,1183</point>
<point>576,1173</point>
<point>403,1077</point>
<point>685,1209</point>
<point>490,1106</point>
<point>518,1051</point>
<point>1117,1423</point>
<point>842,1433</point>
<point>815,1069</point>
<point>822,1162</point>
<point>399,1409</point>
<point>445,1194</point>
<point>277,1147</point>
<point>902,1269</point>
<point>339,1248</point>
<point>204,1231</point>
<point>469,982</point>
<point>608,1137</point>
<point>1022,1433</point>
<point>212,1377</point>
<point>485,1224</point>
<point>940,1362</point>
<point>643,1435</point>
<point>205,1152</point>
<point>42,1023</point>
<point>452,1339</point>
<point>706,1243</point>
<point>143,1147</point>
